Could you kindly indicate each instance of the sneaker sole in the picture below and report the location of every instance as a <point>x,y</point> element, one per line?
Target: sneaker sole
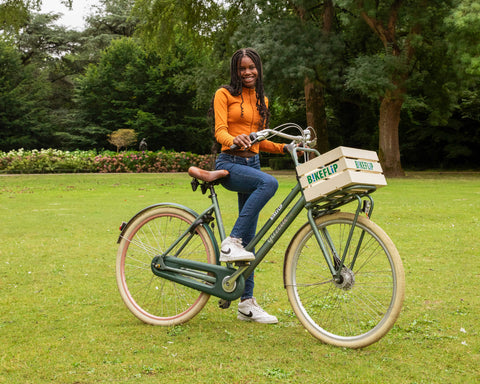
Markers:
<point>245,318</point>
<point>227,259</point>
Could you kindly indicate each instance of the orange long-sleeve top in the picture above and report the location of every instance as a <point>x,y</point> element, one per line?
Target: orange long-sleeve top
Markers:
<point>230,123</point>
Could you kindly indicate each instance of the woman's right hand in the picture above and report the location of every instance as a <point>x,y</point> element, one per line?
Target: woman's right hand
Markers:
<point>242,141</point>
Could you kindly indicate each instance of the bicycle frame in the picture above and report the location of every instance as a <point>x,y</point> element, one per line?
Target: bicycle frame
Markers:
<point>227,282</point>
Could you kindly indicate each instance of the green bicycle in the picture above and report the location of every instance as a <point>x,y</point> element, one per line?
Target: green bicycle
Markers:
<point>343,275</point>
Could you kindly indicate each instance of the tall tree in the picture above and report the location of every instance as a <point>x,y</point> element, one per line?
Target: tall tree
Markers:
<point>133,87</point>
<point>24,91</point>
<point>402,27</point>
<point>315,85</point>
<point>15,14</point>
<point>464,33</point>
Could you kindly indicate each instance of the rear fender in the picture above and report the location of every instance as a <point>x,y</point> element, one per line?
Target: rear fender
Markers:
<point>125,225</point>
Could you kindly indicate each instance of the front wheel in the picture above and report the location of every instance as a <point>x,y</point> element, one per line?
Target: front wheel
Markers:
<point>153,299</point>
<point>361,306</point>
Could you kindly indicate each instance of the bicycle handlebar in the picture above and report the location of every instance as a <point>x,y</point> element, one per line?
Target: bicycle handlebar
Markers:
<point>304,137</point>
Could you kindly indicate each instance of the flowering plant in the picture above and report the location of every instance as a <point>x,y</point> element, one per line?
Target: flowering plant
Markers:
<point>57,161</point>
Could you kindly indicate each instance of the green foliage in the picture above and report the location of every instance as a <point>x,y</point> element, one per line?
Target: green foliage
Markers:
<point>464,24</point>
<point>111,20</point>
<point>24,119</point>
<point>43,42</point>
<point>370,76</point>
<point>280,163</point>
<point>46,161</point>
<point>163,161</point>
<point>132,87</point>
<point>165,20</point>
<point>14,13</point>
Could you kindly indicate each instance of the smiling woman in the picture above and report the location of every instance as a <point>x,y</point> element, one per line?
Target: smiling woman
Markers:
<point>73,18</point>
<point>240,109</point>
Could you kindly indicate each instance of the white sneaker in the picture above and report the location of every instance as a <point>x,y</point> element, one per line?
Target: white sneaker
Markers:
<point>232,250</point>
<point>249,310</point>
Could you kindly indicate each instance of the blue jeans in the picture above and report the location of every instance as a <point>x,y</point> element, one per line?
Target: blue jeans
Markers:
<point>254,189</point>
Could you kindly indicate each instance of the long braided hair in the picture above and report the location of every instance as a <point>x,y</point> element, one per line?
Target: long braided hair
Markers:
<point>236,86</point>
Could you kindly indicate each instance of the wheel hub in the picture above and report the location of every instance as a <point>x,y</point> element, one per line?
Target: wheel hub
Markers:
<point>346,280</point>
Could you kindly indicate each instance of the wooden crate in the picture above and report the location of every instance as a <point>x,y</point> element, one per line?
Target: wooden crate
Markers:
<point>339,168</point>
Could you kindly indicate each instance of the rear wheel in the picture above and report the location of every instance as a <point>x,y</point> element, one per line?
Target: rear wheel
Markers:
<point>363,305</point>
<point>153,299</point>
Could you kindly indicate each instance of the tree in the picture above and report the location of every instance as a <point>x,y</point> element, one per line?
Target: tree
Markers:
<point>464,31</point>
<point>24,91</point>
<point>199,29</point>
<point>320,17</point>
<point>14,14</point>
<point>133,87</point>
<point>405,30</point>
<point>122,138</point>
<point>386,62</point>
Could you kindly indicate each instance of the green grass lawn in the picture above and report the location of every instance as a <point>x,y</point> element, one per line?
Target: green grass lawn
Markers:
<point>62,319</point>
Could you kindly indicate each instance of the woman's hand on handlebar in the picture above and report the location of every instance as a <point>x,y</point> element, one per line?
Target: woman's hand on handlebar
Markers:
<point>242,141</point>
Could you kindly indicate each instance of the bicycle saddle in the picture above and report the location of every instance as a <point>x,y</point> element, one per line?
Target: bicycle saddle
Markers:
<point>207,176</point>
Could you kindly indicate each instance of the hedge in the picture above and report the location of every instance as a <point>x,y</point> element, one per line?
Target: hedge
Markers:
<point>56,161</point>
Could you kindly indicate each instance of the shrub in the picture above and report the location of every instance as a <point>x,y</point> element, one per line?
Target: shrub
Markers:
<point>122,138</point>
<point>46,161</point>
<point>55,161</point>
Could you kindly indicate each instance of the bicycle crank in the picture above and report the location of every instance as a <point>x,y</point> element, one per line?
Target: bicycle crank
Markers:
<point>229,283</point>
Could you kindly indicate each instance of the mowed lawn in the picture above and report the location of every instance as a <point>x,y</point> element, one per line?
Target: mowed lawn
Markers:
<point>62,319</point>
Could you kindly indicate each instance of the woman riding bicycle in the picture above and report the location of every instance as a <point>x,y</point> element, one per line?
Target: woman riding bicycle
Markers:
<point>240,109</point>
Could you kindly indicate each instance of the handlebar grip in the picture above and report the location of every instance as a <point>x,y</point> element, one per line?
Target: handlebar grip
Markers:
<point>253,139</point>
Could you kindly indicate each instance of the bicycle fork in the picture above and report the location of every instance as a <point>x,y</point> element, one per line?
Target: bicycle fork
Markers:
<point>335,263</point>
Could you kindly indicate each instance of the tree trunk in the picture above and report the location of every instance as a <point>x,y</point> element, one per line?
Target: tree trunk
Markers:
<point>389,146</point>
<point>391,103</point>
<point>316,116</point>
<point>314,90</point>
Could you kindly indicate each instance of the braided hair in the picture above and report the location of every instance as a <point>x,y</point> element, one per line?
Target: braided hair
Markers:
<point>236,85</point>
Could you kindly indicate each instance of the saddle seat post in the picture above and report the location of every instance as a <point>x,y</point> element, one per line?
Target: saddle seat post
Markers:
<point>208,181</point>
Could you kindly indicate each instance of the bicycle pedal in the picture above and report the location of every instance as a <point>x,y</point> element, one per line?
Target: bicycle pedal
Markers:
<point>242,263</point>
<point>224,304</point>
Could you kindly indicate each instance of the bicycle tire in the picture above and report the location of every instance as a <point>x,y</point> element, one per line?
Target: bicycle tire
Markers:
<point>153,299</point>
<point>363,310</point>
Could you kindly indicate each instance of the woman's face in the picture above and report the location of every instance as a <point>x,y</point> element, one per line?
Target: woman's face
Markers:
<point>248,72</point>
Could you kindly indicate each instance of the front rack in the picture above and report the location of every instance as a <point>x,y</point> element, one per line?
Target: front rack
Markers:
<point>342,197</point>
